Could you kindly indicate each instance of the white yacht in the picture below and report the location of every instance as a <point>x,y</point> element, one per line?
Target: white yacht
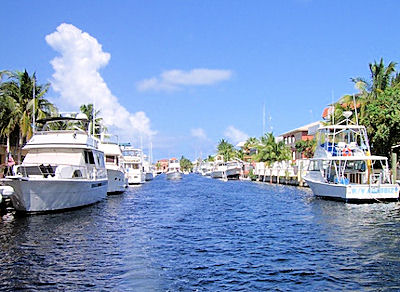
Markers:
<point>133,163</point>
<point>174,169</point>
<point>219,170</point>
<point>206,168</point>
<point>344,169</point>
<point>233,169</point>
<point>148,169</point>
<point>117,181</point>
<point>63,169</point>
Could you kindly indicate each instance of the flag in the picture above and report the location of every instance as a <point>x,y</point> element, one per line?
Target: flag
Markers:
<point>10,161</point>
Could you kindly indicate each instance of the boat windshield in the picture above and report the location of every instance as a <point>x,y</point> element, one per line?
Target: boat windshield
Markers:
<point>50,156</point>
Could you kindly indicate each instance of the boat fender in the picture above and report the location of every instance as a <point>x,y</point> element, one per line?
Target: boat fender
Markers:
<point>346,152</point>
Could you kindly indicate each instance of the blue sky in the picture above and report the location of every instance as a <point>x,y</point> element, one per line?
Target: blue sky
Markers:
<point>188,73</point>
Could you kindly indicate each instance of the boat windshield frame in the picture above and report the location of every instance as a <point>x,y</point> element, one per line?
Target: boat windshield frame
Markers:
<point>46,125</point>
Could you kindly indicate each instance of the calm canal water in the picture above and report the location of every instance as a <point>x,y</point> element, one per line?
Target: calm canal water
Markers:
<point>200,234</point>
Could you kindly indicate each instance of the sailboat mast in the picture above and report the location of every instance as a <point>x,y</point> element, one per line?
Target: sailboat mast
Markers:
<point>263,119</point>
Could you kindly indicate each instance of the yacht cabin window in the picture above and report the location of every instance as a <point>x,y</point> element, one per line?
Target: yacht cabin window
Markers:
<point>89,158</point>
<point>110,159</point>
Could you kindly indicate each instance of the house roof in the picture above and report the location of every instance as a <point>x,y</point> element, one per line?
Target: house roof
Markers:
<point>301,129</point>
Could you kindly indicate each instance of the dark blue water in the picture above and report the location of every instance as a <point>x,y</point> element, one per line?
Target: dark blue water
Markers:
<point>200,234</point>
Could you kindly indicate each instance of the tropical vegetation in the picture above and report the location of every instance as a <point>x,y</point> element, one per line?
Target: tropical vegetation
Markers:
<point>87,109</point>
<point>226,149</point>
<point>377,105</point>
<point>21,101</point>
<point>185,164</point>
<point>306,147</point>
<point>270,151</point>
<point>265,149</point>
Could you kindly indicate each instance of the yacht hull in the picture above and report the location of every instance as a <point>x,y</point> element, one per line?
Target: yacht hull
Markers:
<point>136,178</point>
<point>174,175</point>
<point>116,181</point>
<point>45,195</point>
<point>218,174</point>
<point>233,173</point>
<point>149,176</point>
<point>354,193</point>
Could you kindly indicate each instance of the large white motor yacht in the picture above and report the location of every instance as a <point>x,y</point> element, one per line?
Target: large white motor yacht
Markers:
<point>344,169</point>
<point>174,169</point>
<point>133,163</point>
<point>117,181</point>
<point>63,169</point>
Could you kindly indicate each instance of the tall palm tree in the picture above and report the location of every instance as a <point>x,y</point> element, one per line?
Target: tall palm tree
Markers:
<point>381,77</point>
<point>22,88</point>
<point>226,149</point>
<point>87,109</point>
<point>9,113</point>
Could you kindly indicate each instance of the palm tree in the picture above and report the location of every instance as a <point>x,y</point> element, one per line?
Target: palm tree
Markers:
<point>87,109</point>
<point>269,151</point>
<point>382,77</point>
<point>226,149</point>
<point>22,88</point>
<point>9,113</point>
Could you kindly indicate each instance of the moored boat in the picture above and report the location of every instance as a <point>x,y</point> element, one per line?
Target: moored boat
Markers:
<point>148,168</point>
<point>344,169</point>
<point>233,169</point>
<point>174,169</point>
<point>133,163</point>
<point>219,168</point>
<point>62,169</point>
<point>114,160</point>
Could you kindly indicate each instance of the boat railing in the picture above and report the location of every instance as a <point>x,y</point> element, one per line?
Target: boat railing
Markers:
<point>375,179</point>
<point>60,171</point>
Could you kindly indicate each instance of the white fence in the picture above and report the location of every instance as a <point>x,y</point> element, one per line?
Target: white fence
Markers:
<point>283,168</point>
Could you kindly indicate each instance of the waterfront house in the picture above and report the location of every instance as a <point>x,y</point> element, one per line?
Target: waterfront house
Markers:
<point>162,165</point>
<point>302,133</point>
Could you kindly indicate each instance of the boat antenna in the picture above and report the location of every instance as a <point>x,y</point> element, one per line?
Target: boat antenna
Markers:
<point>355,108</point>
<point>263,119</point>
<point>94,116</point>
<point>34,104</point>
<point>333,108</point>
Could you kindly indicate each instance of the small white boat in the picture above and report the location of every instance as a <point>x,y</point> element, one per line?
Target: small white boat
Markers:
<point>63,169</point>
<point>343,168</point>
<point>133,164</point>
<point>117,182</point>
<point>174,169</point>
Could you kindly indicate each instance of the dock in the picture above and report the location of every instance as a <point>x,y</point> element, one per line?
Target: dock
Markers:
<point>284,172</point>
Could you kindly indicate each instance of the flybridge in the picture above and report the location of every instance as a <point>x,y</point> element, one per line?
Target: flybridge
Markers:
<point>61,132</point>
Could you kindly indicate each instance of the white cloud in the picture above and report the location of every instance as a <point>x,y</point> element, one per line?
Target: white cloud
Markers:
<point>78,81</point>
<point>234,135</point>
<point>176,79</point>
<point>199,133</point>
